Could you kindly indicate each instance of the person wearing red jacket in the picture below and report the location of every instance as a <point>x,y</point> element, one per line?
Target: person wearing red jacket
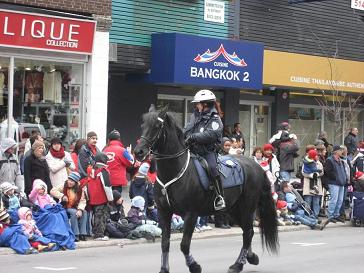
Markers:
<point>119,159</point>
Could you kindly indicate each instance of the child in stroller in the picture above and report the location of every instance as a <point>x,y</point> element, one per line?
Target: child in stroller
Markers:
<point>301,210</point>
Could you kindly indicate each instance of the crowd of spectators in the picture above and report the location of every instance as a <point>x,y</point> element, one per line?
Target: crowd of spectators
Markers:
<point>82,188</point>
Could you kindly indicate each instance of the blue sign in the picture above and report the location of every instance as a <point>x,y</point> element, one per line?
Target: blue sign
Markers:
<point>194,60</point>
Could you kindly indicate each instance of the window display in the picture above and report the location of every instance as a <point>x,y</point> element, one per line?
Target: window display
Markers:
<point>46,94</point>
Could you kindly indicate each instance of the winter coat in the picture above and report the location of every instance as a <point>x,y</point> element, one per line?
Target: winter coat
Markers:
<point>136,216</point>
<point>206,128</point>
<point>57,168</point>
<point>74,157</point>
<point>11,202</point>
<point>86,158</point>
<point>274,166</point>
<point>29,227</point>
<point>62,190</point>
<point>351,142</point>
<point>287,153</point>
<point>119,160</point>
<point>308,176</point>
<point>358,162</point>
<point>40,200</point>
<point>335,173</point>
<point>10,171</point>
<point>140,187</point>
<point>99,190</point>
<point>35,168</point>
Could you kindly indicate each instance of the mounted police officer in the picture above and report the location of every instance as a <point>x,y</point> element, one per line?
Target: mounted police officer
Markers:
<point>203,133</point>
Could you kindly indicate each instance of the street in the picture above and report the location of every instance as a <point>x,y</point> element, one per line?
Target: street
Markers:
<point>333,250</point>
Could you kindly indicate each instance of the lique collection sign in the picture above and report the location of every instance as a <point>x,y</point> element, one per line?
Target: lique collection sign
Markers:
<point>45,32</point>
<point>194,60</point>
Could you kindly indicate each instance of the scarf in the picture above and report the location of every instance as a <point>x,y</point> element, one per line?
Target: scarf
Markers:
<point>57,154</point>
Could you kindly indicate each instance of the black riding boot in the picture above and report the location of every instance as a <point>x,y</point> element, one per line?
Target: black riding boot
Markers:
<point>219,202</point>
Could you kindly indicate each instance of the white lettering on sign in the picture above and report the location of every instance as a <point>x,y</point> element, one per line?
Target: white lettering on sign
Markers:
<point>217,74</point>
<point>357,4</point>
<point>6,31</point>
<point>323,82</point>
<point>38,32</point>
<point>60,32</point>
<point>71,32</point>
<point>214,11</point>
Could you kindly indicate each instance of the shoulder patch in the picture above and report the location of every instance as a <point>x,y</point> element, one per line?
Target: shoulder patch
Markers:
<point>215,125</point>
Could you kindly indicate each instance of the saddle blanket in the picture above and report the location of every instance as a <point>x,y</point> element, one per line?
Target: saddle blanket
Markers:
<point>230,170</point>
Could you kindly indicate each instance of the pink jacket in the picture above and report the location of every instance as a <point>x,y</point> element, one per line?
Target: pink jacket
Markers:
<point>36,198</point>
<point>29,227</point>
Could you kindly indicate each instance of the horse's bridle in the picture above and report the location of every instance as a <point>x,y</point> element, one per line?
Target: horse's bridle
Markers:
<point>159,156</point>
<point>152,142</point>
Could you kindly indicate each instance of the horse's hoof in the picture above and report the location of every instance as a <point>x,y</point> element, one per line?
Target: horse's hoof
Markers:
<point>195,268</point>
<point>235,268</point>
<point>163,271</point>
<point>253,259</point>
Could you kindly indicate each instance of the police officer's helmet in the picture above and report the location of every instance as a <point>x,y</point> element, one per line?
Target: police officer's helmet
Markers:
<point>204,95</point>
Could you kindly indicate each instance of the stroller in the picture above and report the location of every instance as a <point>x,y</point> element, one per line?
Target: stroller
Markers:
<point>357,204</point>
<point>302,203</point>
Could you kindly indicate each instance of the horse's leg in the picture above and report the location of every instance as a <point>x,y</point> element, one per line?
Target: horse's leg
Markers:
<point>246,253</point>
<point>165,224</point>
<point>189,226</point>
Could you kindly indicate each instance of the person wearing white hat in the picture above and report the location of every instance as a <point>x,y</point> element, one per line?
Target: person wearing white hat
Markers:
<point>9,165</point>
<point>203,133</point>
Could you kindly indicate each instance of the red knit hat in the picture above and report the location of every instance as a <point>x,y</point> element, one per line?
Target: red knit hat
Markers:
<point>281,204</point>
<point>267,147</point>
<point>312,154</point>
<point>359,175</point>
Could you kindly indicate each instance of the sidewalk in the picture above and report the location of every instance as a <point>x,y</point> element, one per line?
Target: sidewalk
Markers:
<point>214,233</point>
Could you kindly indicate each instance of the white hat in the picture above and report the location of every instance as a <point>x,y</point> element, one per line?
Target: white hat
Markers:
<point>138,202</point>
<point>204,95</point>
<point>7,143</point>
<point>144,168</point>
<point>7,186</point>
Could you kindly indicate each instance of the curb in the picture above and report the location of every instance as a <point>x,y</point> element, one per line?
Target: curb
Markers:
<point>215,233</point>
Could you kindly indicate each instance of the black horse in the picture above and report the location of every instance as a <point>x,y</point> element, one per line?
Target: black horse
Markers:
<point>179,191</point>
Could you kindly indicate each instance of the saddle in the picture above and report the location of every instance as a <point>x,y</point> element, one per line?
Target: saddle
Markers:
<point>231,172</point>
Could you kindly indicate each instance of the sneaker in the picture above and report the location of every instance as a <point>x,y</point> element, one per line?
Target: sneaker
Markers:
<point>41,248</point>
<point>31,251</point>
<point>207,227</point>
<point>197,229</point>
<point>105,238</point>
<point>280,222</point>
<point>219,203</point>
<point>83,238</point>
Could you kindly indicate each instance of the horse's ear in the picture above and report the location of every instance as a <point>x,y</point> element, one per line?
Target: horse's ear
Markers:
<point>163,111</point>
<point>152,108</point>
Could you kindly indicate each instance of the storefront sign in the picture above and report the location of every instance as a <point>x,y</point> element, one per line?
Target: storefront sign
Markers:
<point>311,72</point>
<point>27,30</point>
<point>357,4</point>
<point>194,60</point>
<point>214,11</point>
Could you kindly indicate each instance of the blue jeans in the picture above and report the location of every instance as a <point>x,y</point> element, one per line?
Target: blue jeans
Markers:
<point>286,176</point>
<point>78,225</point>
<point>314,202</point>
<point>304,219</point>
<point>342,209</point>
<point>336,200</point>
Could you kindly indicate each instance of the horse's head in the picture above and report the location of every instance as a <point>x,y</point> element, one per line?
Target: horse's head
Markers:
<point>152,129</point>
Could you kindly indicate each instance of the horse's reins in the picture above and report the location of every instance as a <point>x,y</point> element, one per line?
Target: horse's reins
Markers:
<point>151,143</point>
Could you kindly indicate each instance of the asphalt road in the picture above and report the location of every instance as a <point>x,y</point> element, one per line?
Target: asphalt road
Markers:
<point>332,250</point>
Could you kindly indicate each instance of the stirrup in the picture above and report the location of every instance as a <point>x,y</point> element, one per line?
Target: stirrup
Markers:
<point>219,203</point>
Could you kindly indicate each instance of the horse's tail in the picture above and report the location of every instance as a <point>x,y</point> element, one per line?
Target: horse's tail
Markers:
<point>268,218</point>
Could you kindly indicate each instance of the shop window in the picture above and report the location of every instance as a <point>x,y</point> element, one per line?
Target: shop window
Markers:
<point>46,99</point>
<point>306,124</point>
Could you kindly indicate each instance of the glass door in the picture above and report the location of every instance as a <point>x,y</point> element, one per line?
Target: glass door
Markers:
<point>255,124</point>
